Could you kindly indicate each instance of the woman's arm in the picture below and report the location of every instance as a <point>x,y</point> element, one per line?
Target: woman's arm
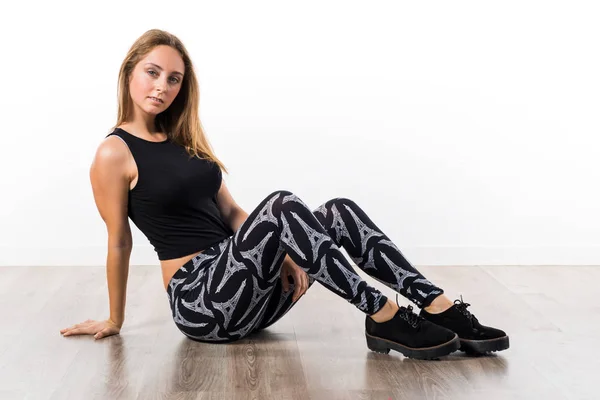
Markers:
<point>110,178</point>
<point>117,271</point>
<point>233,215</point>
<point>237,218</point>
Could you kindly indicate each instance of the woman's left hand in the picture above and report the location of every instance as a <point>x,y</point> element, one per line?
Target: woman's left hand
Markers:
<point>300,278</point>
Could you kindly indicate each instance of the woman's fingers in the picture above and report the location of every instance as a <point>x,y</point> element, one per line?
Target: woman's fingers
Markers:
<point>99,329</point>
<point>305,283</point>
<point>100,334</point>
<point>284,281</point>
<point>297,286</point>
<point>68,329</point>
<point>302,285</point>
<point>74,331</point>
<point>109,331</point>
<point>81,328</point>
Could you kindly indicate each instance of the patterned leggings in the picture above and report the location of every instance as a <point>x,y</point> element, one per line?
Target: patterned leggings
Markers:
<point>233,288</point>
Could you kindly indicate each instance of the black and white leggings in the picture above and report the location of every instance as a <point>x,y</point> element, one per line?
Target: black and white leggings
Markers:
<point>234,288</point>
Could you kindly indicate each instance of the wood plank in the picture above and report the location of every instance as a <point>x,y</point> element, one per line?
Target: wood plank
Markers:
<point>316,351</point>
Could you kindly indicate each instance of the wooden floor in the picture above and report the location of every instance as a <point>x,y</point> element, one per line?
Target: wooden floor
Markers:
<point>317,351</point>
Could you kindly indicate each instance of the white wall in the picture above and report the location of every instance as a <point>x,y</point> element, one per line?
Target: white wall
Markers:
<point>468,131</point>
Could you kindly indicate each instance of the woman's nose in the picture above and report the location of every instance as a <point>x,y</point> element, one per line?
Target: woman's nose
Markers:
<point>161,87</point>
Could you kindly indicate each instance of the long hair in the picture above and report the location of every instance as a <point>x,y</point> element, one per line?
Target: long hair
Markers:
<point>181,121</point>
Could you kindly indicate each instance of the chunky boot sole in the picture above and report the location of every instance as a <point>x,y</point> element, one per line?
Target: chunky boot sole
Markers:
<point>484,346</point>
<point>384,346</point>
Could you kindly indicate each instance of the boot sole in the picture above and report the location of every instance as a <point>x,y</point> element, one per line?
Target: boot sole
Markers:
<point>380,345</point>
<point>484,346</point>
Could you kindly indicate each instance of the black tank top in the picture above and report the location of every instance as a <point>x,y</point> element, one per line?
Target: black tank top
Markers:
<point>174,202</point>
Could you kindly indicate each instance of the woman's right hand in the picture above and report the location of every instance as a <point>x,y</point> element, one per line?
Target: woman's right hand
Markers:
<point>99,329</point>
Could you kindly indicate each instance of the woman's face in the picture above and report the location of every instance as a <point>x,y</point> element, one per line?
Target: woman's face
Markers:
<point>157,75</point>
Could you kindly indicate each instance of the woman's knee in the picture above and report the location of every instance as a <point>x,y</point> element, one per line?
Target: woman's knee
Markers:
<point>285,199</point>
<point>279,193</point>
<point>342,201</point>
<point>286,196</point>
<point>275,201</point>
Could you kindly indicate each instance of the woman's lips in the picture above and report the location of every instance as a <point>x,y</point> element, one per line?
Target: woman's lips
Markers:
<point>156,100</point>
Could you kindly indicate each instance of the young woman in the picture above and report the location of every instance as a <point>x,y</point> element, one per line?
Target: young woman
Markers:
<point>228,274</point>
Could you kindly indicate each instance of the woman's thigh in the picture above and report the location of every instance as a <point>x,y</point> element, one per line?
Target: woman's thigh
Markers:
<point>222,294</point>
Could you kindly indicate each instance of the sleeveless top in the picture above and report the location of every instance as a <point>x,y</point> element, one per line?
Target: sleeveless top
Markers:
<point>174,202</point>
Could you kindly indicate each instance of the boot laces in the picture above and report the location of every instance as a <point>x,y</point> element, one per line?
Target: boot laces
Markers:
<point>408,315</point>
<point>462,307</point>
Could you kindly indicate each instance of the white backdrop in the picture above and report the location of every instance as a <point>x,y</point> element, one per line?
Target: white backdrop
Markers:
<point>468,131</point>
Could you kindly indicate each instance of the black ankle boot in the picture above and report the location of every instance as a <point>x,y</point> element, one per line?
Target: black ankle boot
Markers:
<point>410,335</point>
<point>474,337</point>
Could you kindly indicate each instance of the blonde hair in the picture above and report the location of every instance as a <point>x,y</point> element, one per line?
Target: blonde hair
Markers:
<point>181,121</point>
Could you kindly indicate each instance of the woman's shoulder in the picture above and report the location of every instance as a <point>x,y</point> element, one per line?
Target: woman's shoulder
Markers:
<point>112,149</point>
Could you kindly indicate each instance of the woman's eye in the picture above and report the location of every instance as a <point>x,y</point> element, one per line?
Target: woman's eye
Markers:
<point>174,80</point>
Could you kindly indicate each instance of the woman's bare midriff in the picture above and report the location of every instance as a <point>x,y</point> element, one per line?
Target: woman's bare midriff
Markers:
<point>169,267</point>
